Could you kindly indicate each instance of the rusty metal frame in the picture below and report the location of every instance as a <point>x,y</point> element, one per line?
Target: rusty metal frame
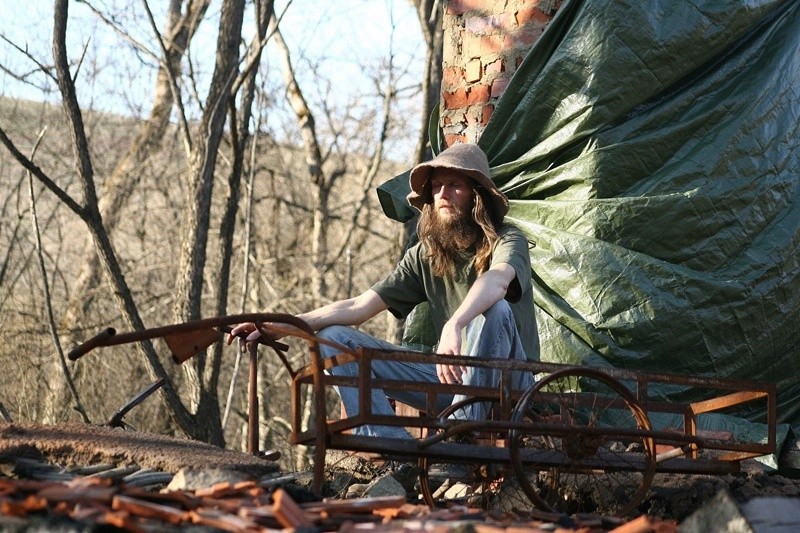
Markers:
<point>687,442</point>
<point>187,339</point>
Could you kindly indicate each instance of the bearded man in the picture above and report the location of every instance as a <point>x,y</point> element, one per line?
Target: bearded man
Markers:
<point>472,270</point>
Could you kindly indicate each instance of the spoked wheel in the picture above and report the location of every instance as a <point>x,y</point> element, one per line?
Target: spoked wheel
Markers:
<point>479,484</point>
<point>587,447</point>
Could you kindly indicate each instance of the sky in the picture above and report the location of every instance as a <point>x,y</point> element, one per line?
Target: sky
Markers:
<point>344,39</point>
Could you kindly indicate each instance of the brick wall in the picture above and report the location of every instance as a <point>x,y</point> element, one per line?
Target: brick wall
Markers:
<point>484,43</point>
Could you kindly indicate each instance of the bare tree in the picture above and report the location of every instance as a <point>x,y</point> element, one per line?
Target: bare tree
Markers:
<point>429,13</point>
<point>117,190</point>
<point>201,423</point>
<point>225,85</point>
<point>239,119</point>
<point>126,191</point>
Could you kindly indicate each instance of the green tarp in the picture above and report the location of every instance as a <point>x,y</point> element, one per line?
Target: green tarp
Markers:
<point>651,151</point>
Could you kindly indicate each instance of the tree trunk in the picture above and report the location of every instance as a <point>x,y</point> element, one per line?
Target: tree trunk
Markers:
<point>203,399</point>
<point>127,173</point>
<point>429,13</point>
<point>305,120</point>
<point>240,139</point>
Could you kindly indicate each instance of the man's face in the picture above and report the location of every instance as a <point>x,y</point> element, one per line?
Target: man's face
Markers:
<point>452,194</point>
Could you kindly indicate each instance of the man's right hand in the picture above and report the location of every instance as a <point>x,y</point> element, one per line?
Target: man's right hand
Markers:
<point>249,332</point>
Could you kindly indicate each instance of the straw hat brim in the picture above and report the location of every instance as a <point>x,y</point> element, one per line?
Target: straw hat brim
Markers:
<point>467,159</point>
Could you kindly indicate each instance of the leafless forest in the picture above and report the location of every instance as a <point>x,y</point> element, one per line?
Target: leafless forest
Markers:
<point>249,192</point>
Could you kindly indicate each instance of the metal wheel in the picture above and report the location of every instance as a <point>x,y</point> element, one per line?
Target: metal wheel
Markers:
<point>587,447</point>
<point>480,490</point>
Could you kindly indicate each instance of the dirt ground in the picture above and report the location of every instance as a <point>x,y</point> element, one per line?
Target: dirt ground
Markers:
<point>671,496</point>
<point>677,496</point>
<point>78,445</point>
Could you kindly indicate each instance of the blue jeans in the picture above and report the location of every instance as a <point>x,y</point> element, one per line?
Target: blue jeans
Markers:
<point>493,334</point>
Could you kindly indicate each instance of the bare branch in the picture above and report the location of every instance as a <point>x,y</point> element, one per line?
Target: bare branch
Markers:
<point>253,56</point>
<point>31,167</point>
<point>371,171</point>
<point>173,83</point>
<point>42,68</point>
<point>119,31</point>
<point>47,298</point>
<point>305,118</point>
<point>66,84</point>
<point>92,216</point>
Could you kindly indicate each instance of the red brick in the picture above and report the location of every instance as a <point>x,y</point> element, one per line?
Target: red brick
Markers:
<point>502,22</point>
<point>485,42</point>
<point>532,14</point>
<point>486,114</point>
<point>527,37</point>
<point>484,45</point>
<point>452,76</point>
<point>455,99</point>
<point>459,7</point>
<point>478,94</point>
<point>495,67</point>
<point>499,87</point>
<point>472,119</point>
<point>450,140</point>
<point>474,71</point>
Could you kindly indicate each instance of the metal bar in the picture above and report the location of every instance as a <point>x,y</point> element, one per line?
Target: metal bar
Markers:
<point>772,417</point>
<point>685,465</point>
<point>110,337</point>
<point>320,422</point>
<point>142,395</point>
<point>690,429</point>
<point>676,452</point>
<point>365,385</point>
<point>324,434</point>
<point>721,402</point>
<point>252,403</point>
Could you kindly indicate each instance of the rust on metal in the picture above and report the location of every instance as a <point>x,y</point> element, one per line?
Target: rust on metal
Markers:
<point>252,394</point>
<point>632,387</point>
<point>185,345</point>
<point>188,339</point>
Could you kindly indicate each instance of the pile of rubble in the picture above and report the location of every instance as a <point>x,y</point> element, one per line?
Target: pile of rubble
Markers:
<point>79,478</point>
<point>247,506</point>
<point>76,477</point>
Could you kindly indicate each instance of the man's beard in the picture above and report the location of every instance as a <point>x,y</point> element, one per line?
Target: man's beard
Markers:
<point>458,232</point>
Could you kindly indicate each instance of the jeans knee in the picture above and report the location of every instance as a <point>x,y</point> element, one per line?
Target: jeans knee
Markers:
<point>500,310</point>
<point>333,333</point>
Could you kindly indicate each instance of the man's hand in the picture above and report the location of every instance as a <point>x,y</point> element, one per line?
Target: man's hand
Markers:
<point>450,344</point>
<point>249,332</point>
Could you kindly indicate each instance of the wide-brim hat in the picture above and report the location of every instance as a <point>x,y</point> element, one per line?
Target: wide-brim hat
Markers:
<point>467,159</point>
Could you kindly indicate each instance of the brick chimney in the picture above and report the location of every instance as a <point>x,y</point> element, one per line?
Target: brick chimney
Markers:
<point>484,43</point>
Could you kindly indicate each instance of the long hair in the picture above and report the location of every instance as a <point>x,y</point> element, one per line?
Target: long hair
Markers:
<point>443,245</point>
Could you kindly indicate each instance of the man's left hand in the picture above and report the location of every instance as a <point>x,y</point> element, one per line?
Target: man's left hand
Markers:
<point>450,344</point>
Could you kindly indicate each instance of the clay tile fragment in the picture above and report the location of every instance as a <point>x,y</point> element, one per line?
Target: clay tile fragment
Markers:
<point>286,510</point>
<point>148,509</point>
